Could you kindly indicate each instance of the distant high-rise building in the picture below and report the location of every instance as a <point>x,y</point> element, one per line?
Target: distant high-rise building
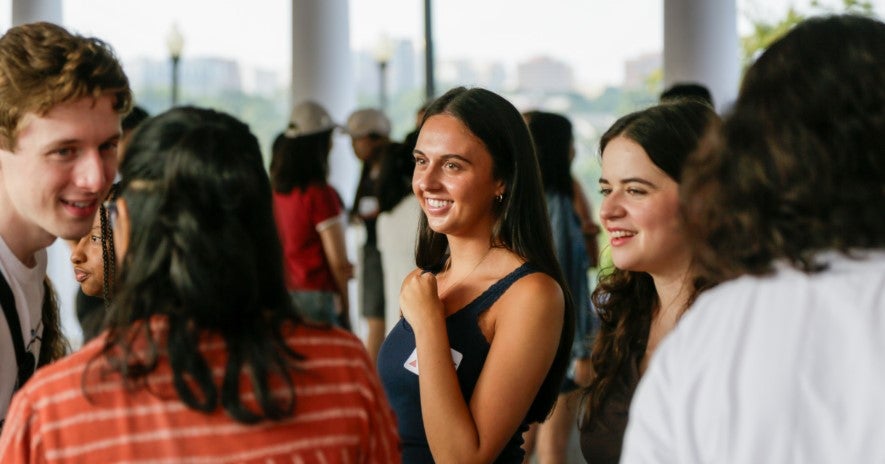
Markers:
<point>496,77</point>
<point>209,76</point>
<point>544,74</point>
<point>199,76</point>
<point>402,68</point>
<point>637,70</point>
<point>265,82</point>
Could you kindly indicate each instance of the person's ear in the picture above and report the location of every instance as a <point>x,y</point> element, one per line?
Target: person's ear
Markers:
<point>500,188</point>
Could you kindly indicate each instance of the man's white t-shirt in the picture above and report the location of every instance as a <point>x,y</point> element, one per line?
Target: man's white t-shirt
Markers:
<point>27,287</point>
<point>788,368</point>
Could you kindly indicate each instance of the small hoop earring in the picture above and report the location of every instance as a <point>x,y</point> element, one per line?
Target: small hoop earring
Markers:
<point>499,197</point>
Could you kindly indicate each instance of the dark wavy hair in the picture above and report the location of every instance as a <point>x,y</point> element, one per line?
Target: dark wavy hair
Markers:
<point>500,127</point>
<point>552,136</point>
<point>626,300</point>
<point>300,161</point>
<point>799,167</point>
<point>204,255</point>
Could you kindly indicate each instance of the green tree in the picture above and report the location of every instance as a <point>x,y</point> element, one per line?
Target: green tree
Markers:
<point>766,31</point>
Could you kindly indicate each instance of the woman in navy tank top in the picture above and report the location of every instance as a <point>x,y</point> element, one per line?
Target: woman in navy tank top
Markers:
<point>487,323</point>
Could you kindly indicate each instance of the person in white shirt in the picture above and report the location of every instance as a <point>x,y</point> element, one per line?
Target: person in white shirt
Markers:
<point>785,360</point>
<point>61,99</point>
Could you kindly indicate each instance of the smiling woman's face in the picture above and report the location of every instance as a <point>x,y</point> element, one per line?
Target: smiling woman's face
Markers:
<point>453,178</point>
<point>86,257</point>
<point>640,211</point>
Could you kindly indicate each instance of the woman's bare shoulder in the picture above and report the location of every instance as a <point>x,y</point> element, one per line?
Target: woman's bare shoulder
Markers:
<point>538,291</point>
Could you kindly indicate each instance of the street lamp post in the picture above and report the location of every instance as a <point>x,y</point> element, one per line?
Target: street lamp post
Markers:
<point>429,86</point>
<point>175,44</point>
<point>383,52</point>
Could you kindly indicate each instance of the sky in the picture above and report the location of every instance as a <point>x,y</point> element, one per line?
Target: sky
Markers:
<point>594,36</point>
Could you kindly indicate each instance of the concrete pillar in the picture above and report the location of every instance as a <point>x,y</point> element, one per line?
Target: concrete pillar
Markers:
<point>321,71</point>
<point>29,11</point>
<point>701,45</point>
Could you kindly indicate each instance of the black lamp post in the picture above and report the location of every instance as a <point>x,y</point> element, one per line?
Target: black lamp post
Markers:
<point>429,85</point>
<point>175,44</point>
<point>383,52</point>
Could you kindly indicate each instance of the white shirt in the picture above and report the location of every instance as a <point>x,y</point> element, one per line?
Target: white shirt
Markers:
<point>788,368</point>
<point>27,287</point>
<point>397,234</point>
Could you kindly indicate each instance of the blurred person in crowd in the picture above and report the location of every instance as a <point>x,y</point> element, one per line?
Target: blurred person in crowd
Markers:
<point>309,217</point>
<point>554,146</point>
<point>369,130</point>
<point>397,224</point>
<point>130,122</point>
<point>687,90</point>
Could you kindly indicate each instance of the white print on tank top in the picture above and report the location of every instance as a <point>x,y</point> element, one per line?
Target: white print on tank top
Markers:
<point>411,364</point>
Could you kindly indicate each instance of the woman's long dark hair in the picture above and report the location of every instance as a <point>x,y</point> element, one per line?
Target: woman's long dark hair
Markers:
<point>395,176</point>
<point>626,301</point>
<point>297,162</point>
<point>552,136</point>
<point>204,256</point>
<point>500,127</point>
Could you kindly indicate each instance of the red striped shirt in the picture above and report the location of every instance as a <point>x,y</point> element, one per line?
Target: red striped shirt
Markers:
<point>341,414</point>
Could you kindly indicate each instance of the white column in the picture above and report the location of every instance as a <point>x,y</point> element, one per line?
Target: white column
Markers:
<point>29,11</point>
<point>321,71</point>
<point>701,45</point>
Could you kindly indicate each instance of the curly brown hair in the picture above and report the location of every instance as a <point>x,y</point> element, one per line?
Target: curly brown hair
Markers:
<point>626,301</point>
<point>42,65</point>
<point>798,167</point>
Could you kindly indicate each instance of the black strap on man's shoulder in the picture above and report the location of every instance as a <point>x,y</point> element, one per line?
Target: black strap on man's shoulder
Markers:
<point>25,361</point>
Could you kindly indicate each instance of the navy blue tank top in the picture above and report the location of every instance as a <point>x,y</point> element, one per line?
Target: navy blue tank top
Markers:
<point>397,365</point>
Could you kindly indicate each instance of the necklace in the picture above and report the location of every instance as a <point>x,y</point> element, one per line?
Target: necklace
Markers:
<point>443,293</point>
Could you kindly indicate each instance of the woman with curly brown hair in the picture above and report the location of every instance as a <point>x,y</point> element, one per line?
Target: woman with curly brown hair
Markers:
<point>653,280</point>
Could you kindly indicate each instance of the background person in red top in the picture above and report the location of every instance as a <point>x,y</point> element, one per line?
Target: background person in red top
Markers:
<point>308,214</point>
<point>205,359</point>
